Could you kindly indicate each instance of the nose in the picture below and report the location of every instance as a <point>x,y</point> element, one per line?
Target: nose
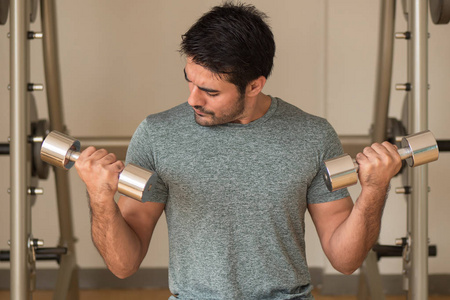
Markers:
<point>195,98</point>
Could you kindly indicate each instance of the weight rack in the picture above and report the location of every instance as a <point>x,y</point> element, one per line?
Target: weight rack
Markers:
<point>414,248</point>
<point>24,249</point>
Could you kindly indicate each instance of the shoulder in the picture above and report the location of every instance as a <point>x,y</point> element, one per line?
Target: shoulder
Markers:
<point>178,113</point>
<point>293,118</point>
<point>172,119</point>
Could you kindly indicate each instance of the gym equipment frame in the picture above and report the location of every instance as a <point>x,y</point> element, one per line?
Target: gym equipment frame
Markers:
<point>22,244</point>
<point>23,248</point>
<point>415,248</point>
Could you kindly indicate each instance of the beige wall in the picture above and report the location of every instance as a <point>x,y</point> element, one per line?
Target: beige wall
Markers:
<point>119,63</point>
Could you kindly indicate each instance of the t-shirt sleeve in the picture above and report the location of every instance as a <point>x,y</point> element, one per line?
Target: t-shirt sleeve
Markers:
<point>140,152</point>
<point>330,147</point>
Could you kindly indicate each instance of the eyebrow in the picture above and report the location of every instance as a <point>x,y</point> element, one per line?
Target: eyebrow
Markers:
<point>200,87</point>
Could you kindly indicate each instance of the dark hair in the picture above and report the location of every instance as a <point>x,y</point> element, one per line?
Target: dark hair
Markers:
<point>234,41</point>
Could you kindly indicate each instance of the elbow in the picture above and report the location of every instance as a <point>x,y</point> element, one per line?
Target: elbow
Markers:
<point>347,270</point>
<point>123,271</point>
<point>347,267</point>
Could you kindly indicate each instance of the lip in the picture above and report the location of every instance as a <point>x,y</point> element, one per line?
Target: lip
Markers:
<point>198,113</point>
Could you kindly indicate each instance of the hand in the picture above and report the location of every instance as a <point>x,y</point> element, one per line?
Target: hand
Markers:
<point>377,165</point>
<point>100,172</point>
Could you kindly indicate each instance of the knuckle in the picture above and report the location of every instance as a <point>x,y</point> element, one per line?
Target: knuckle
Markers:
<point>367,149</point>
<point>90,149</point>
<point>112,156</point>
<point>102,151</point>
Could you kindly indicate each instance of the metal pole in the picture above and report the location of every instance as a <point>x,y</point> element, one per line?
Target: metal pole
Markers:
<point>418,121</point>
<point>384,70</point>
<point>68,271</point>
<point>20,282</point>
<point>370,285</point>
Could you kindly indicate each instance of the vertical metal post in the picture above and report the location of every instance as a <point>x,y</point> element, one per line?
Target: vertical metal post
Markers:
<point>67,284</point>
<point>19,23</point>
<point>418,121</point>
<point>370,285</point>
<point>384,70</point>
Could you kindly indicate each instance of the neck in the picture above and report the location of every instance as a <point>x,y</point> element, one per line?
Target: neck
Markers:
<point>255,108</point>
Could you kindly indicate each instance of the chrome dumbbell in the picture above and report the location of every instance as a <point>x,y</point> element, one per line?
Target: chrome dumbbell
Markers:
<point>62,151</point>
<point>417,149</point>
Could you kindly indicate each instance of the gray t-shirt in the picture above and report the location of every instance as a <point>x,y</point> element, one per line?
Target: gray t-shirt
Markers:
<point>236,197</point>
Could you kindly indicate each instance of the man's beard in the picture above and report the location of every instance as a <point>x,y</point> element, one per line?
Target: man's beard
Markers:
<point>227,117</point>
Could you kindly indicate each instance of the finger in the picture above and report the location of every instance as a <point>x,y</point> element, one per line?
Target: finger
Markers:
<point>99,154</point>
<point>117,166</point>
<point>392,148</point>
<point>88,151</point>
<point>109,158</point>
<point>370,152</point>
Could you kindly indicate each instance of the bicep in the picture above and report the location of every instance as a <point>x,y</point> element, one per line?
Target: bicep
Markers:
<point>141,217</point>
<point>328,216</point>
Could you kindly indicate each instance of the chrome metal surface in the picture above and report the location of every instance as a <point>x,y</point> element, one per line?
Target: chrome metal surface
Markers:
<point>403,87</point>
<point>35,35</point>
<point>341,172</point>
<point>423,146</point>
<point>418,149</point>
<point>135,181</point>
<point>403,35</point>
<point>61,150</point>
<point>56,149</point>
<point>35,87</point>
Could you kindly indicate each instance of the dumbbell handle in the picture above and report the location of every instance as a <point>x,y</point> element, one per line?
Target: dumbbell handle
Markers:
<point>62,151</point>
<point>417,149</point>
<point>403,152</point>
<point>73,155</point>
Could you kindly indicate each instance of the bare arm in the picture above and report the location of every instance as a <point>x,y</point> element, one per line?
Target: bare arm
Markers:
<point>121,232</point>
<point>346,231</point>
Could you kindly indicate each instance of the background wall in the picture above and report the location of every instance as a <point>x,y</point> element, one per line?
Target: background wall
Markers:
<point>119,63</point>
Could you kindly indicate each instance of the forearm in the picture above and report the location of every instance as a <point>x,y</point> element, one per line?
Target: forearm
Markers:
<point>117,243</point>
<point>353,239</point>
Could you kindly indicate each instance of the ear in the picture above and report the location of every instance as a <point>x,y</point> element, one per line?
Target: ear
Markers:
<point>255,86</point>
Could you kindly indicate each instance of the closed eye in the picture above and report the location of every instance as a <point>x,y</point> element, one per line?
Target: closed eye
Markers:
<point>208,91</point>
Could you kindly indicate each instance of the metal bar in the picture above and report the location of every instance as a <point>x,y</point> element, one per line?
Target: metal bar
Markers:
<point>418,121</point>
<point>370,286</point>
<point>384,70</point>
<point>20,280</point>
<point>68,267</point>
<point>4,149</point>
<point>444,145</point>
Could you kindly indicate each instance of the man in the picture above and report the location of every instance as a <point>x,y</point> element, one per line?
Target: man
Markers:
<point>237,170</point>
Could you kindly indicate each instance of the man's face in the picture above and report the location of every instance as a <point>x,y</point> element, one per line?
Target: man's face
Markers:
<point>214,100</point>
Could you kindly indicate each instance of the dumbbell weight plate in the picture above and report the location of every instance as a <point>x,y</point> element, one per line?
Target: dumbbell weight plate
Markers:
<point>33,10</point>
<point>425,148</point>
<point>40,169</point>
<point>136,182</point>
<point>4,9</point>
<point>62,150</point>
<point>440,11</point>
<point>54,150</point>
<point>418,149</point>
<point>340,179</point>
